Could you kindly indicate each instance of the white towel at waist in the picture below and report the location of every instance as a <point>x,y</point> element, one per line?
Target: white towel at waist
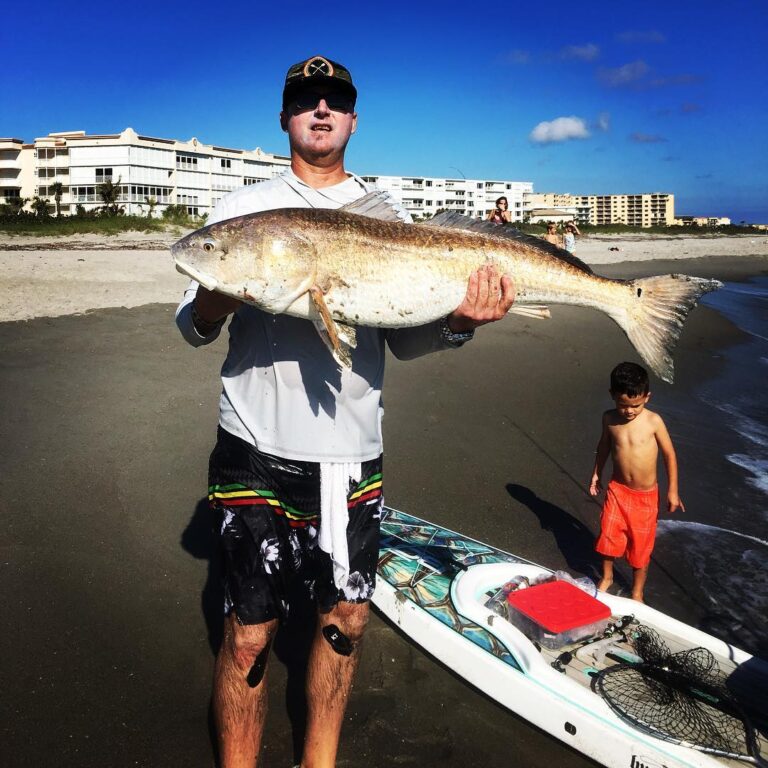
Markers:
<point>334,516</point>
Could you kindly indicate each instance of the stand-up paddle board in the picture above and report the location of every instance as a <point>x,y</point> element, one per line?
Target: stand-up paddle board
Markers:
<point>615,679</point>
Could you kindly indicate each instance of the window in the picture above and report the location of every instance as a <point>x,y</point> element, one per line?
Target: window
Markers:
<point>186,162</point>
<point>140,192</point>
<point>103,174</point>
<point>226,162</point>
<point>84,194</point>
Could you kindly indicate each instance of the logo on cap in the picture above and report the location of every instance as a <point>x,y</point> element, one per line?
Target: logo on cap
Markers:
<point>318,66</point>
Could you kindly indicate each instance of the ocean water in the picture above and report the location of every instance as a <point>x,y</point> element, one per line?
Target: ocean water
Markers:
<point>720,429</point>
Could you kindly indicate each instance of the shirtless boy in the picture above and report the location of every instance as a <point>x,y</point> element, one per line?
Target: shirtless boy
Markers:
<point>633,436</point>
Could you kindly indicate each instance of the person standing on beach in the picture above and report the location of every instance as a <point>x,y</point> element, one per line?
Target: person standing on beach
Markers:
<point>500,214</point>
<point>633,436</point>
<point>552,236</point>
<point>295,477</point>
<point>569,237</point>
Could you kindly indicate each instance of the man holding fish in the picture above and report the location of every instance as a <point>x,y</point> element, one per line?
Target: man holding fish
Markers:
<point>296,474</point>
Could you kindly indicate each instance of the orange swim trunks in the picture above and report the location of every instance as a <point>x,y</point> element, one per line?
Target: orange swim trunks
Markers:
<point>628,523</point>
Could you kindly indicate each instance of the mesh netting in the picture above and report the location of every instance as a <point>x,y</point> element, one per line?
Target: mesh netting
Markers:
<point>679,697</point>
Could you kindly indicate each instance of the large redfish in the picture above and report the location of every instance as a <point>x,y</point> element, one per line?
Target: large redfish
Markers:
<point>360,265</point>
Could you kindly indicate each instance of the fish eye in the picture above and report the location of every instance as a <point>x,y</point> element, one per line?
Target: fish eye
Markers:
<point>209,245</point>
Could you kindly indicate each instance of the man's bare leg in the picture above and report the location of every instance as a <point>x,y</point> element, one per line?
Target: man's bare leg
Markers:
<point>329,682</point>
<point>239,705</point>
<point>638,582</point>
<point>607,579</point>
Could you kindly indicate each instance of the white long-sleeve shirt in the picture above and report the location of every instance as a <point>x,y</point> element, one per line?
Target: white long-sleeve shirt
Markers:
<point>282,390</point>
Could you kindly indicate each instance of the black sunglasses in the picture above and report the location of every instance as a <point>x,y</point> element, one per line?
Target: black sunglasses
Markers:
<point>308,101</point>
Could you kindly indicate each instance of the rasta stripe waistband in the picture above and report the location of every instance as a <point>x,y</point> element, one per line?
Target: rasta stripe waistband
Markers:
<point>237,494</point>
<point>370,488</point>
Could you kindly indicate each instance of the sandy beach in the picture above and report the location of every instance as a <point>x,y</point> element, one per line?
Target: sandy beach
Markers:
<point>107,417</point>
<point>46,277</point>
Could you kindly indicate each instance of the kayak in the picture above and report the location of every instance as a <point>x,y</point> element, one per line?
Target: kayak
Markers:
<point>615,679</point>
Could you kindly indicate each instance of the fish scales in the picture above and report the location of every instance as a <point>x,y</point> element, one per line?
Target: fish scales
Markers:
<point>339,267</point>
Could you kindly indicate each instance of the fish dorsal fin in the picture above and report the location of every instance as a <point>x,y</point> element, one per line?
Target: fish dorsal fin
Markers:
<point>456,220</point>
<point>377,205</point>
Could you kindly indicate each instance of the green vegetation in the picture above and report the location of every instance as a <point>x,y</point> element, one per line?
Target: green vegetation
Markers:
<point>109,219</point>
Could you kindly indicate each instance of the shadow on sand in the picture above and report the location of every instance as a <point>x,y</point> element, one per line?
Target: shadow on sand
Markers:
<point>575,541</point>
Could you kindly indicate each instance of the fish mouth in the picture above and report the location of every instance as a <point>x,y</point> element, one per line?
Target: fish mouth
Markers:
<point>205,280</point>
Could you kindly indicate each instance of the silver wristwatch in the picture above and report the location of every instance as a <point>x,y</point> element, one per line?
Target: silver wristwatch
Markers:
<point>451,338</point>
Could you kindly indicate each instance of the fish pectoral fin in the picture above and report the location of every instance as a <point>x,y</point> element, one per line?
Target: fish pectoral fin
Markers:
<point>276,297</point>
<point>537,311</point>
<point>335,336</point>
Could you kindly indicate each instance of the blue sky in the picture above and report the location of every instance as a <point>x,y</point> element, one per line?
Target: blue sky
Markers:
<point>591,97</point>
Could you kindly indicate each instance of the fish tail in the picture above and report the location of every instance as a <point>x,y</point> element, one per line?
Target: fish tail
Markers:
<point>655,318</point>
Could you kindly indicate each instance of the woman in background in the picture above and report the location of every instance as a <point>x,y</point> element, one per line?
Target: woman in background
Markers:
<point>501,214</point>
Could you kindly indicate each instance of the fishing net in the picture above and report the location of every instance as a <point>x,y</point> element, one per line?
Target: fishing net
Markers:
<point>679,697</point>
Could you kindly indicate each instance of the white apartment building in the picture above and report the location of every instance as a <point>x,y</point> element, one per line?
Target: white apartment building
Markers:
<point>424,196</point>
<point>15,175</point>
<point>186,173</point>
<point>197,175</point>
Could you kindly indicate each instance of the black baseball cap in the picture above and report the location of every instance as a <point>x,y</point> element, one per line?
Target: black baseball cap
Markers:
<point>314,71</point>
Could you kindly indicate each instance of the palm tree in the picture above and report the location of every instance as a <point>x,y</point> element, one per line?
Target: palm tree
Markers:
<point>16,204</point>
<point>152,204</point>
<point>57,188</point>
<point>109,192</point>
<point>40,206</point>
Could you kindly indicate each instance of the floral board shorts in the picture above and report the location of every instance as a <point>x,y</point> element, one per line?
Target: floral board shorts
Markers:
<point>268,520</point>
<point>628,523</point>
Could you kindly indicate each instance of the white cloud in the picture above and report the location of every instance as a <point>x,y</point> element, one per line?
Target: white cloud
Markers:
<point>559,129</point>
<point>603,122</point>
<point>629,73</point>
<point>588,52</point>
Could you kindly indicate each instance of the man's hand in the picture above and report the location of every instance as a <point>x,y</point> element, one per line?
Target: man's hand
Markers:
<point>595,486</point>
<point>674,502</point>
<point>488,299</point>
<point>213,306</point>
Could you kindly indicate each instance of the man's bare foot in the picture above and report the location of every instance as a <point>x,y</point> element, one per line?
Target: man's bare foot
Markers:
<point>604,585</point>
<point>639,598</point>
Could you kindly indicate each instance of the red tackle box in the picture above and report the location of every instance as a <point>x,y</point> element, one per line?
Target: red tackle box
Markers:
<point>557,613</point>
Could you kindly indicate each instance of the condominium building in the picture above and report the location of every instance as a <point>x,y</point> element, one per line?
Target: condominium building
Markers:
<point>187,173</point>
<point>424,196</point>
<point>15,175</point>
<point>197,175</point>
<point>643,210</point>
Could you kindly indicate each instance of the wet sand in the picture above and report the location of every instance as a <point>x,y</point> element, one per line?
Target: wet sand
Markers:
<point>111,604</point>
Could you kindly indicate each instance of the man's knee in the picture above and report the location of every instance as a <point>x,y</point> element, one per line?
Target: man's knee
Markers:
<point>248,645</point>
<point>344,625</point>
